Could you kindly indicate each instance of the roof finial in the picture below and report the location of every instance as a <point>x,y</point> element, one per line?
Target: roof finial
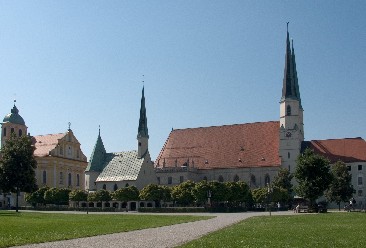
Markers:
<point>99,130</point>
<point>143,81</point>
<point>69,126</point>
<point>287,26</point>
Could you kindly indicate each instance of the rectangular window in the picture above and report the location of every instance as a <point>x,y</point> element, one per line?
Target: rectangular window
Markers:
<point>360,192</point>
<point>349,168</point>
<point>170,180</point>
<point>360,167</point>
<point>158,180</point>
<point>359,180</point>
<point>181,179</point>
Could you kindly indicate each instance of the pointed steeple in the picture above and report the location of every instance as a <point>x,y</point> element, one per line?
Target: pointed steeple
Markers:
<point>289,89</point>
<point>143,130</point>
<point>295,74</point>
<point>97,157</point>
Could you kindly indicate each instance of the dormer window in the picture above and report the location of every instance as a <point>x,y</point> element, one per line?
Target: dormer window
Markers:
<point>288,110</point>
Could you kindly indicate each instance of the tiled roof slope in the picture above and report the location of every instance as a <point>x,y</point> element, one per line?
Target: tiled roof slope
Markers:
<point>229,146</point>
<point>348,150</point>
<point>45,143</point>
<point>121,166</point>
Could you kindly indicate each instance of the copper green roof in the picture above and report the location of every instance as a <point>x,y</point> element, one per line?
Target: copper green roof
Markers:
<point>143,130</point>
<point>97,159</point>
<point>121,166</point>
<point>14,117</point>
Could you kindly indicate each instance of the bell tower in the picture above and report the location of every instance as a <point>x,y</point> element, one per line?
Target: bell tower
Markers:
<point>143,132</point>
<point>12,123</point>
<point>291,112</point>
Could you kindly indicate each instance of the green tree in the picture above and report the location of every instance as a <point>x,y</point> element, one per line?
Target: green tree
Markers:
<point>37,197</point>
<point>103,195</point>
<point>282,186</point>
<point>17,166</point>
<point>78,195</point>
<point>57,196</point>
<point>340,189</point>
<point>156,193</point>
<point>130,193</point>
<point>260,195</point>
<point>313,175</point>
<point>238,192</point>
<point>218,192</point>
<point>182,193</point>
<point>201,192</point>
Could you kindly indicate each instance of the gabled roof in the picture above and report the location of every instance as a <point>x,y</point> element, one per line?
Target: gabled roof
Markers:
<point>45,143</point>
<point>348,150</point>
<point>229,146</point>
<point>121,166</point>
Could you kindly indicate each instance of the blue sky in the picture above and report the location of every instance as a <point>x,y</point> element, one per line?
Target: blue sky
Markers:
<point>206,63</point>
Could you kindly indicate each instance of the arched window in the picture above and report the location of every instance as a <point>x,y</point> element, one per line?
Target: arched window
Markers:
<point>205,178</point>
<point>69,180</point>
<point>253,180</point>
<point>4,132</point>
<point>267,180</point>
<point>104,186</point>
<point>127,185</point>
<point>44,177</point>
<point>20,132</point>
<point>77,180</point>
<point>115,187</point>
<point>221,179</point>
<point>12,130</point>
<point>288,155</point>
<point>236,178</point>
<point>288,110</point>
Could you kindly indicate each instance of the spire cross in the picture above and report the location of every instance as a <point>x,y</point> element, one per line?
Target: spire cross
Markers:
<point>143,81</point>
<point>287,25</point>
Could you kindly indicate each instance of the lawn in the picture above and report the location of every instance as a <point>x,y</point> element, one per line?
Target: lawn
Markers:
<point>303,230</point>
<point>26,228</point>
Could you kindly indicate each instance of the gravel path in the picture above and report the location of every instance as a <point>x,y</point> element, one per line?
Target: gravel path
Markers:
<point>167,236</point>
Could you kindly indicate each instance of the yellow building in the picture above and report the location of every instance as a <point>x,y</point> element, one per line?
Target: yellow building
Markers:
<point>60,161</point>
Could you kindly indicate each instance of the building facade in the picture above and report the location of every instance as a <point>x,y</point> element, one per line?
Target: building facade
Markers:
<point>60,160</point>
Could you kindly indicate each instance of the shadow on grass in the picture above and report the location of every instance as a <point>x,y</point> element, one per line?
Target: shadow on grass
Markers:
<point>9,213</point>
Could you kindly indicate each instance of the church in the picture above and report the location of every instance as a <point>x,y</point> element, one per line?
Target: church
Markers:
<point>254,152</point>
<point>60,160</point>
<point>114,170</point>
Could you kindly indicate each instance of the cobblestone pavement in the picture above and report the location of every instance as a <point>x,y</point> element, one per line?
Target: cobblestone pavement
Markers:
<point>167,236</point>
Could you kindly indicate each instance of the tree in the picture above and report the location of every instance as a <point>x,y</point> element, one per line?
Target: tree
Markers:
<point>78,195</point>
<point>340,189</point>
<point>313,175</point>
<point>282,186</point>
<point>103,195</point>
<point>37,197</point>
<point>238,192</point>
<point>218,192</point>
<point>17,166</point>
<point>182,193</point>
<point>201,193</point>
<point>130,193</point>
<point>156,193</point>
<point>57,196</point>
<point>260,195</point>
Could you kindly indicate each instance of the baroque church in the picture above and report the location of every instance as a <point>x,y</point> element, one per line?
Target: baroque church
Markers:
<point>60,160</point>
<point>254,152</point>
<point>114,170</point>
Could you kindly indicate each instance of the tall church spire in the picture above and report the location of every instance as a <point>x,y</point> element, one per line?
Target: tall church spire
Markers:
<point>143,130</point>
<point>289,89</point>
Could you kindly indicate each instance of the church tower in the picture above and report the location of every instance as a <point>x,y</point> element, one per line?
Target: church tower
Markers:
<point>12,123</point>
<point>291,112</point>
<point>143,132</point>
<point>95,165</point>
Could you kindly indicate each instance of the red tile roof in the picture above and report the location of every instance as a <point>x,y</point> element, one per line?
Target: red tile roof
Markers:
<point>229,146</point>
<point>348,150</point>
<point>45,143</point>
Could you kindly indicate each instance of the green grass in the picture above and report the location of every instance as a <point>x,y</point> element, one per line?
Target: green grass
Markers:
<point>303,230</point>
<point>27,228</point>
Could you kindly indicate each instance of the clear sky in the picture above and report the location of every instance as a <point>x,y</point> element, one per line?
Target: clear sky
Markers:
<point>206,63</point>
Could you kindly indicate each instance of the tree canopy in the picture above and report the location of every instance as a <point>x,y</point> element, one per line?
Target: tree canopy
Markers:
<point>17,166</point>
<point>340,189</point>
<point>313,175</point>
